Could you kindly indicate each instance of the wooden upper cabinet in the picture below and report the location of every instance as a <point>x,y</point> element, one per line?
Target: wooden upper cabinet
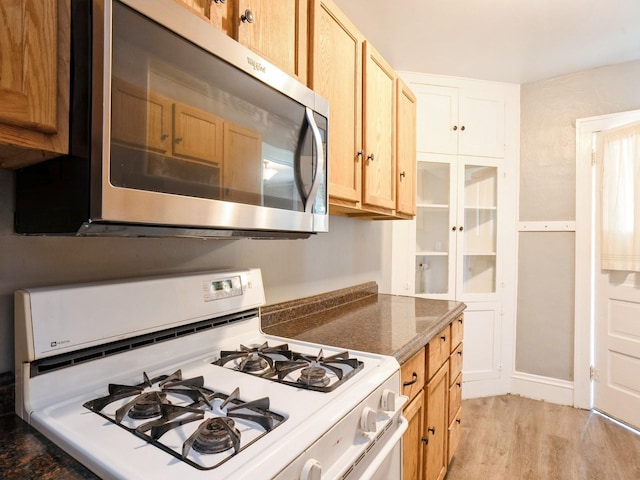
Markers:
<point>276,31</point>
<point>405,150</point>
<point>336,74</point>
<point>379,131</point>
<point>34,80</point>
<point>218,13</point>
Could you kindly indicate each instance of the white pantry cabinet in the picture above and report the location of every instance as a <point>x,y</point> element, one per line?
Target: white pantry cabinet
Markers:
<point>462,241</point>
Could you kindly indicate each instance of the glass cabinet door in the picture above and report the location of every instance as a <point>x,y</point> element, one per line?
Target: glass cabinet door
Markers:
<point>456,229</point>
<point>477,233</point>
<point>433,261</point>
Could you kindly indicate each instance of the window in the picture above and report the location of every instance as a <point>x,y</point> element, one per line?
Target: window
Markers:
<point>619,158</point>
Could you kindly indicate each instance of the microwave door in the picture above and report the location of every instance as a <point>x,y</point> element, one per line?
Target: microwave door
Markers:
<point>309,162</point>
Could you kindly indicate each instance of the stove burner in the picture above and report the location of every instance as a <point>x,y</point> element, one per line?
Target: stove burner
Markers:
<point>147,405</point>
<point>214,435</point>
<point>254,363</point>
<point>316,376</point>
<point>257,360</point>
<point>149,401</point>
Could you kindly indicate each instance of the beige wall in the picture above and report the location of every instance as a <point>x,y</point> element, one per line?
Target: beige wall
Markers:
<point>354,251</point>
<point>549,109</point>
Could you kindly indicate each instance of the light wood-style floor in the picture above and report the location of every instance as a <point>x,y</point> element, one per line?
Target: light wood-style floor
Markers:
<point>515,438</point>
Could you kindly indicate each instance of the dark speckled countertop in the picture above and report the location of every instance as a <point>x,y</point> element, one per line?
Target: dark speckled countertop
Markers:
<point>25,453</point>
<point>358,318</point>
<point>355,318</point>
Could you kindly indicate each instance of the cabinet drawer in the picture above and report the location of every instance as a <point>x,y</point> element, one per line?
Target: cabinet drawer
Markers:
<point>457,331</point>
<point>438,351</point>
<point>413,375</point>
<point>455,397</point>
<point>456,363</point>
<point>455,434</point>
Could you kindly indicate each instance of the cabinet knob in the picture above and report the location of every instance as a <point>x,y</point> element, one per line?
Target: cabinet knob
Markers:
<point>458,420</point>
<point>178,139</point>
<point>455,127</point>
<point>460,228</point>
<point>432,430</point>
<point>370,157</point>
<point>425,440</point>
<point>402,174</point>
<point>443,338</point>
<point>462,128</point>
<point>454,228</point>
<point>247,17</point>
<point>360,154</point>
<point>164,136</point>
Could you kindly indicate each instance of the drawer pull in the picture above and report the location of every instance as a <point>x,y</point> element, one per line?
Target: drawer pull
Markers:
<point>458,384</point>
<point>425,440</point>
<point>414,379</point>
<point>460,353</point>
<point>443,338</point>
<point>458,420</point>
<point>432,430</point>
<point>459,320</point>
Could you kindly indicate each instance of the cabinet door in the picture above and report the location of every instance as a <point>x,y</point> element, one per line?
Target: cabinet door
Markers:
<point>436,424</point>
<point>34,80</point>
<point>435,259</point>
<point>277,31</point>
<point>140,118</point>
<point>477,228</point>
<point>241,177</point>
<point>379,131</point>
<point>481,123</point>
<point>197,134</point>
<point>437,118</point>
<point>217,13</point>
<point>405,150</point>
<point>28,71</point>
<point>412,444</point>
<point>336,74</point>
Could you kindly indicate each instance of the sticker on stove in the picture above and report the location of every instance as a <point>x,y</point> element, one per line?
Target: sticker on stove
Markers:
<point>59,343</point>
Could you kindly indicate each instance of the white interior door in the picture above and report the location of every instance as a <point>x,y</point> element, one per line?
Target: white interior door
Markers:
<point>616,373</point>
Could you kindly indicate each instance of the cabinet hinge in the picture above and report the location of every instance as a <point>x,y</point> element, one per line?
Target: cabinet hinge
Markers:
<point>594,374</point>
<point>593,157</point>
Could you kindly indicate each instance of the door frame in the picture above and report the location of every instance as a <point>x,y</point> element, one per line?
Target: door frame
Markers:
<point>584,255</point>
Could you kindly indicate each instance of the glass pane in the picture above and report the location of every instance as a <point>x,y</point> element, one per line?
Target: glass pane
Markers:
<point>480,229</point>
<point>432,274</point>
<point>433,183</point>
<point>185,122</point>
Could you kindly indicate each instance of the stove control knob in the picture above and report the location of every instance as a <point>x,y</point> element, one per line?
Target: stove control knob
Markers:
<point>312,470</point>
<point>388,400</point>
<point>368,420</point>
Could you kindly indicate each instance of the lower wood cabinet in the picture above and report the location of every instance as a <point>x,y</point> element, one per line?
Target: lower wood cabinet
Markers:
<point>432,379</point>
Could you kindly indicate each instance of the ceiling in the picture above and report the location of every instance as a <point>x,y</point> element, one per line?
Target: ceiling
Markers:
<point>513,41</point>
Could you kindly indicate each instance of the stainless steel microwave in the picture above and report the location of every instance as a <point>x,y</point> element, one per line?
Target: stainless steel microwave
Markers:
<point>177,129</point>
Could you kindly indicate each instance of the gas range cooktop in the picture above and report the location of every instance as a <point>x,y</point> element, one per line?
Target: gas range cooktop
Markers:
<point>172,377</point>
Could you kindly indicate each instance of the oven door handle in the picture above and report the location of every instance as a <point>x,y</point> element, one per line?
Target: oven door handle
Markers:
<point>381,456</point>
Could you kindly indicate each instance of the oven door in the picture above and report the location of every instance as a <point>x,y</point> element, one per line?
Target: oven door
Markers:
<point>197,131</point>
<point>386,459</point>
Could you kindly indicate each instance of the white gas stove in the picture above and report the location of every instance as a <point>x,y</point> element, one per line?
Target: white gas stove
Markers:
<point>171,377</point>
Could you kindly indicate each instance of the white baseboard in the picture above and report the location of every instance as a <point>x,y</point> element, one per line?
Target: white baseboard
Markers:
<point>542,388</point>
<point>483,388</point>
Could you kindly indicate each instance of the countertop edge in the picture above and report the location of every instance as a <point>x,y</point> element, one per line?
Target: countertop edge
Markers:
<point>424,337</point>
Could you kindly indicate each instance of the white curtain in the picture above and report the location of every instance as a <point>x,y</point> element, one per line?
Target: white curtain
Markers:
<point>619,154</point>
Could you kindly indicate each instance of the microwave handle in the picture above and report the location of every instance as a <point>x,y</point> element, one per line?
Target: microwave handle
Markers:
<point>317,139</point>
